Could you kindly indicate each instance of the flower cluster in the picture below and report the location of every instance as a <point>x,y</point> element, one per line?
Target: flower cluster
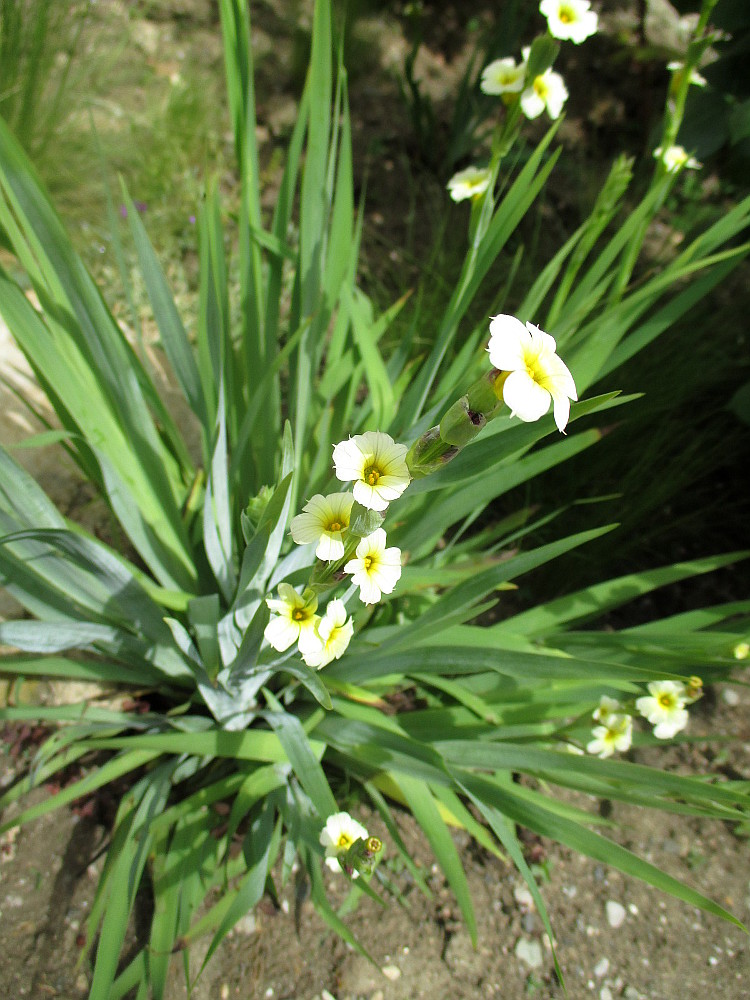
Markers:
<point>376,465</point>
<point>348,845</point>
<point>665,707</point>
<point>545,90</point>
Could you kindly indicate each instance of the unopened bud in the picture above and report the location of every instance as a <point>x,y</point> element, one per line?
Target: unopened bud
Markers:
<point>461,423</point>
<point>694,688</point>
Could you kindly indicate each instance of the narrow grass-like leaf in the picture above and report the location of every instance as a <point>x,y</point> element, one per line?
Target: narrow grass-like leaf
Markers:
<point>422,805</point>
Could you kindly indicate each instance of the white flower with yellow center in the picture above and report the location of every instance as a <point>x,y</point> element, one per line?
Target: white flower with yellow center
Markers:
<point>335,631</point>
<point>548,91</point>
<point>678,68</point>
<point>469,183</point>
<point>607,708</point>
<point>324,520</point>
<point>503,76</point>
<point>338,835</point>
<point>295,621</point>
<point>613,737</point>
<point>664,707</point>
<point>676,158</point>
<point>376,465</point>
<point>536,374</point>
<point>375,569</point>
<point>569,20</point>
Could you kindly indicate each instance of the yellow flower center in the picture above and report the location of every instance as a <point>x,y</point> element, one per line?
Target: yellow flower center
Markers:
<point>344,842</point>
<point>666,700</point>
<point>535,370</point>
<point>541,88</point>
<point>566,15</point>
<point>368,560</point>
<point>299,614</point>
<point>334,526</point>
<point>372,475</point>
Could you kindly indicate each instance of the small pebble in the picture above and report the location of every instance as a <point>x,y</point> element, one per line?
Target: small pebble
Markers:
<point>601,968</point>
<point>325,995</point>
<point>530,952</point>
<point>392,972</point>
<point>528,922</point>
<point>523,897</point>
<point>631,993</point>
<point>605,993</point>
<point>730,697</point>
<point>615,913</point>
<point>713,960</point>
<point>632,908</point>
<point>246,924</point>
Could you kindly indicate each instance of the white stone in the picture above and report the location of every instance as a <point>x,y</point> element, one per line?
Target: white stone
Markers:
<point>530,952</point>
<point>601,968</point>
<point>391,972</point>
<point>246,924</point>
<point>523,897</point>
<point>615,913</point>
<point>605,993</point>
<point>730,697</point>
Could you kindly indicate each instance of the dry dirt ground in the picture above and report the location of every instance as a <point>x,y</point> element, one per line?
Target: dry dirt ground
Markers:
<point>615,937</point>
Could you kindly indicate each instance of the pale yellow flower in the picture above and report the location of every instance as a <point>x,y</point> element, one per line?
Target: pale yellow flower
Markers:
<point>335,631</point>
<point>536,374</point>
<point>375,569</point>
<point>664,707</point>
<point>338,835</point>
<point>615,736</point>
<point>469,183</point>
<point>676,158</point>
<point>324,520</point>
<point>607,708</point>
<point>569,20</point>
<point>295,621</point>
<point>545,92</point>
<point>376,465</point>
<point>503,76</point>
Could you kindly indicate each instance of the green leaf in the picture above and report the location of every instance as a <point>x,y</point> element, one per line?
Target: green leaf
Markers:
<point>174,340</point>
<point>586,842</point>
<point>304,760</point>
<point>426,813</point>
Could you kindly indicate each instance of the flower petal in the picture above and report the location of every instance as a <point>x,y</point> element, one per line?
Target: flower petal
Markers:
<point>524,397</point>
<point>369,497</point>
<point>508,341</point>
<point>330,547</point>
<point>281,633</point>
